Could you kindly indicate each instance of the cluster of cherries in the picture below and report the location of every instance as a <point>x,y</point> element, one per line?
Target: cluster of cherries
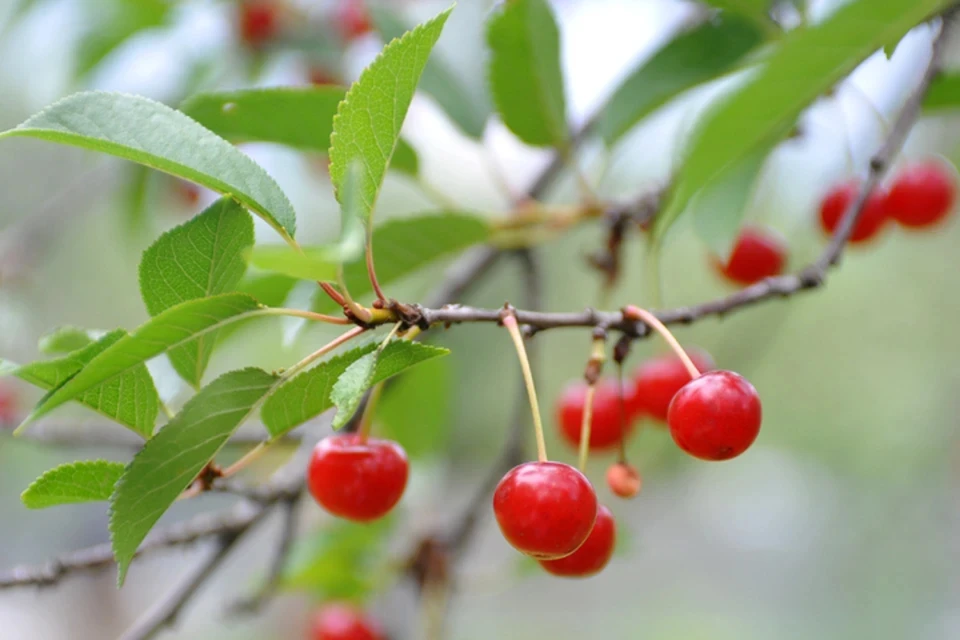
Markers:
<point>921,196</point>
<point>259,21</point>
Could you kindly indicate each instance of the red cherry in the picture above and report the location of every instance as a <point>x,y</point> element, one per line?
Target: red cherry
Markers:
<point>187,193</point>
<point>624,480</point>
<point>343,622</point>
<point>758,254</point>
<point>922,195</point>
<point>593,555</point>
<point>8,405</point>
<point>357,480</point>
<point>658,380</point>
<point>545,509</point>
<point>353,19</point>
<point>321,77</point>
<point>605,431</point>
<point>715,417</point>
<point>836,203</point>
<point>258,22</point>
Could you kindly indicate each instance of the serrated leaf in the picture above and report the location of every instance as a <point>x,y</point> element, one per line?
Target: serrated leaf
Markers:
<point>66,339</point>
<point>150,133</point>
<point>944,93</point>
<point>761,111</point>
<point>368,121</point>
<point>171,460</point>
<point>349,388</point>
<point>690,59</point>
<point>525,75</point>
<point>200,258</point>
<point>414,410</point>
<point>307,395</point>
<point>172,328</point>
<point>83,481</point>
<point>130,398</point>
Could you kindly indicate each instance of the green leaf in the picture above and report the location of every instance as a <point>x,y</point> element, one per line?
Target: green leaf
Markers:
<point>171,460</point>
<point>349,388</point>
<point>83,481</point>
<point>415,409</point>
<point>66,339</point>
<point>152,134</point>
<point>119,20</point>
<point>756,10</point>
<point>130,398</point>
<point>944,93</point>
<point>269,289</point>
<point>405,160</point>
<point>525,75</point>
<point>172,328</point>
<point>200,258</point>
<point>690,59</point>
<point>760,112</point>
<point>367,125</point>
<point>405,245</point>
<point>308,394</point>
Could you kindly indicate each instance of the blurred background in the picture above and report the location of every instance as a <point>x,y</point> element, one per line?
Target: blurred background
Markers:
<point>842,521</point>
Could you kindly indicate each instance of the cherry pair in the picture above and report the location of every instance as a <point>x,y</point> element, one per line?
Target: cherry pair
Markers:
<point>259,21</point>
<point>340,621</point>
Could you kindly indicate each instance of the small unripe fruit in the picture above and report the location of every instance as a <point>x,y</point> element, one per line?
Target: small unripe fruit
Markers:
<point>624,480</point>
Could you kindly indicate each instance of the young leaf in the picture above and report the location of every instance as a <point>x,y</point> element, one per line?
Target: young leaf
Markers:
<point>349,388</point>
<point>83,481</point>
<point>200,258</point>
<point>944,93</point>
<point>308,394</point>
<point>525,75</point>
<point>368,121</point>
<point>171,460</point>
<point>172,328</point>
<point>66,339</point>
<point>152,134</point>
<point>415,409</point>
<point>690,59</point>
<point>130,398</point>
<point>762,110</point>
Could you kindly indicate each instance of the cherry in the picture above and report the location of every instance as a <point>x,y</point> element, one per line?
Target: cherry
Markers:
<point>758,254</point>
<point>357,480</point>
<point>545,509</point>
<point>353,19</point>
<point>836,203</point>
<point>659,379</point>
<point>8,405</point>
<point>922,195</point>
<point>624,480</point>
<point>258,22</point>
<point>605,426</point>
<point>715,417</point>
<point>320,76</point>
<point>344,622</point>
<point>593,555</point>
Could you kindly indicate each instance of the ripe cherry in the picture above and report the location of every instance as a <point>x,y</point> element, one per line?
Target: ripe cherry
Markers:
<point>605,426</point>
<point>8,405</point>
<point>836,203</point>
<point>593,555</point>
<point>344,622</point>
<point>357,480</point>
<point>545,509</point>
<point>353,19</point>
<point>624,480</point>
<point>258,22</point>
<point>657,380</point>
<point>758,254</point>
<point>715,417</point>
<point>922,195</point>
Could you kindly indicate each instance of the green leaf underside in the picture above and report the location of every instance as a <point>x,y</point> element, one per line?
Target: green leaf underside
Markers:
<point>129,398</point>
<point>690,59</point>
<point>307,395</point>
<point>762,111</point>
<point>524,71</point>
<point>83,481</point>
<point>297,117</point>
<point>172,328</point>
<point>944,93</point>
<point>349,388</point>
<point>368,121</point>
<point>66,339</point>
<point>200,258</point>
<point>414,410</point>
<point>171,460</point>
<point>152,134</point>
<point>405,245</point>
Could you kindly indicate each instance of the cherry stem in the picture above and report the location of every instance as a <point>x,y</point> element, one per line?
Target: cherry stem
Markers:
<point>510,323</point>
<point>308,315</point>
<point>366,420</point>
<point>636,313</point>
<point>348,302</point>
<point>622,445</point>
<point>371,270</point>
<point>585,427</point>
<point>332,293</point>
<point>245,460</point>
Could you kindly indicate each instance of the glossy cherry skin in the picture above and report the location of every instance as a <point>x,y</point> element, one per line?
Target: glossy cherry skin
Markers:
<point>545,509</point>
<point>593,555</point>
<point>605,426</point>
<point>758,254</point>
<point>353,19</point>
<point>715,417</point>
<point>657,380</point>
<point>624,480</point>
<point>344,622</point>
<point>922,195</point>
<point>356,480</point>
<point>871,221</point>
<point>258,22</point>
